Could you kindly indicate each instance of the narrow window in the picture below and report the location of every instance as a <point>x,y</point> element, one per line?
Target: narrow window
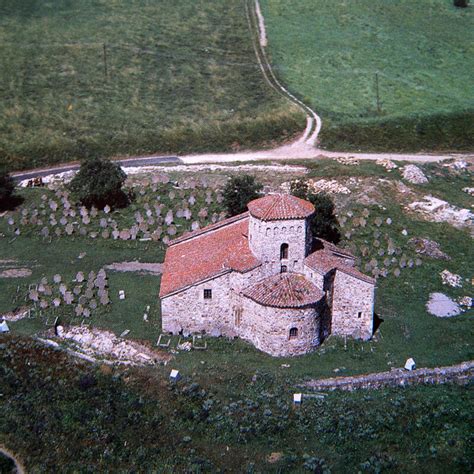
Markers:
<point>207,294</point>
<point>283,269</point>
<point>283,251</point>
<point>293,333</point>
<point>359,314</point>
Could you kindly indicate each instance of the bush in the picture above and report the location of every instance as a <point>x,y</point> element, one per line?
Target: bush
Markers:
<point>99,183</point>
<point>238,192</point>
<point>324,223</point>
<point>8,200</point>
<point>461,3</point>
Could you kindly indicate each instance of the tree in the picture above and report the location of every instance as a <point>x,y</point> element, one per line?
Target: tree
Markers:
<point>7,186</point>
<point>99,183</point>
<point>324,222</point>
<point>461,3</point>
<point>238,191</point>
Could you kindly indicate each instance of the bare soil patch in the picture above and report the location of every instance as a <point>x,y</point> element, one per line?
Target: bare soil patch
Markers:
<point>135,266</point>
<point>15,273</point>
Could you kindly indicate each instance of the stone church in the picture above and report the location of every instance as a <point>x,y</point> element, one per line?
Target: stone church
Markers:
<point>262,277</point>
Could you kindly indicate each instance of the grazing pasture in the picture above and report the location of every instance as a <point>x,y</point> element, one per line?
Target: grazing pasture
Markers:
<point>382,75</point>
<point>93,78</point>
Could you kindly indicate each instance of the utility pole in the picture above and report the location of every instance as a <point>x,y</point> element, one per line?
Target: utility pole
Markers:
<point>377,93</point>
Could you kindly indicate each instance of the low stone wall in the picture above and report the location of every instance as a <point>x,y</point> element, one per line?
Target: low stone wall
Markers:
<point>461,374</point>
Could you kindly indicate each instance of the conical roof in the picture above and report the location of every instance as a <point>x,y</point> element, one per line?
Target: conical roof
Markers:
<point>280,207</point>
<point>284,290</point>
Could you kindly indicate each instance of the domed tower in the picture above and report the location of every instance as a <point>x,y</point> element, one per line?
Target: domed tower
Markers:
<point>279,232</point>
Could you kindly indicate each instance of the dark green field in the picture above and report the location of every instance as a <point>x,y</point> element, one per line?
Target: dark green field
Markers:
<point>64,414</point>
<point>331,54</point>
<point>91,78</point>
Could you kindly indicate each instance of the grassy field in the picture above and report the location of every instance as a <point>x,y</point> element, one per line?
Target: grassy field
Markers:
<point>131,77</point>
<point>60,413</point>
<point>332,53</point>
<point>233,407</point>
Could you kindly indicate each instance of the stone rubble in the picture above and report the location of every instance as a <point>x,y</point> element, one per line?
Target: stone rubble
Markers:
<point>104,344</point>
<point>349,160</point>
<point>428,247</point>
<point>414,175</point>
<point>465,302</point>
<point>457,165</point>
<point>437,210</point>
<point>328,186</point>
<point>451,279</point>
<point>389,165</point>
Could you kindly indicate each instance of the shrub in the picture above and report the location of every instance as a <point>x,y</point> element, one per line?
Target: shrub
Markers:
<point>99,183</point>
<point>8,200</point>
<point>238,192</point>
<point>461,3</point>
<point>324,223</point>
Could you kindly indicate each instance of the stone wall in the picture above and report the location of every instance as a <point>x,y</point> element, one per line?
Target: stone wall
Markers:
<point>315,277</point>
<point>462,373</point>
<point>352,306</point>
<point>189,310</point>
<point>268,329</point>
<point>266,238</point>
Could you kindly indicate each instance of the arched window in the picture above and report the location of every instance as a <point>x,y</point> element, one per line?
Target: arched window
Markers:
<point>293,333</point>
<point>283,269</point>
<point>283,251</point>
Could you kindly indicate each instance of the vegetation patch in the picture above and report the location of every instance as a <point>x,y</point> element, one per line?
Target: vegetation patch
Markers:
<point>384,76</point>
<point>128,78</point>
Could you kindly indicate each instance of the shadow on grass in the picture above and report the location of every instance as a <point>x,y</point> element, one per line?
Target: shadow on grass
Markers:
<point>377,322</point>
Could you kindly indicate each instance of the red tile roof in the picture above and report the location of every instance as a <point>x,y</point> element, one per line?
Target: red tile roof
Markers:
<point>329,258</point>
<point>207,253</point>
<point>279,207</point>
<point>284,290</point>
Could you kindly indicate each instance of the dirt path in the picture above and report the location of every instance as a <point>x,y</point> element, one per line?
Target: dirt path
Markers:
<point>299,150</point>
<point>19,466</point>
<point>462,373</point>
<point>258,34</point>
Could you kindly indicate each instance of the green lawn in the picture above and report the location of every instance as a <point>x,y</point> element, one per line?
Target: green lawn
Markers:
<point>329,53</point>
<point>174,77</point>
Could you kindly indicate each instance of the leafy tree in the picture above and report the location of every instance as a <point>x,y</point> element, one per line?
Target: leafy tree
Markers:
<point>99,183</point>
<point>7,186</point>
<point>238,191</point>
<point>461,3</point>
<point>324,223</point>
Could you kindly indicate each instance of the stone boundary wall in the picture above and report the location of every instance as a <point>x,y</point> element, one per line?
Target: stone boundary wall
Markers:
<point>461,374</point>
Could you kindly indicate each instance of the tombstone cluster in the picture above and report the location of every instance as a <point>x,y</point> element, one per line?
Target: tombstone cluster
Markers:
<point>380,255</point>
<point>79,299</point>
<point>162,210</point>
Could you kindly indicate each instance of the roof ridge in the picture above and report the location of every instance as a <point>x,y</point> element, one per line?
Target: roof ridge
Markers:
<point>217,225</point>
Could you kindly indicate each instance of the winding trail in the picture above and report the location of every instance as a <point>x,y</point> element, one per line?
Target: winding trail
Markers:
<point>258,34</point>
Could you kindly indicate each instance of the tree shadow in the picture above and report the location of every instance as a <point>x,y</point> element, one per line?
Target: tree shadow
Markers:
<point>11,203</point>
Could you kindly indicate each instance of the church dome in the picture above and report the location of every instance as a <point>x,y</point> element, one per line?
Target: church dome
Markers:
<point>280,207</point>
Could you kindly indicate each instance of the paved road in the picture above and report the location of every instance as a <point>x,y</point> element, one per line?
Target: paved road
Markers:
<point>140,161</point>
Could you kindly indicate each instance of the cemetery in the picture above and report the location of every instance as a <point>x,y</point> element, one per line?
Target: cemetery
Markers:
<point>80,287</point>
